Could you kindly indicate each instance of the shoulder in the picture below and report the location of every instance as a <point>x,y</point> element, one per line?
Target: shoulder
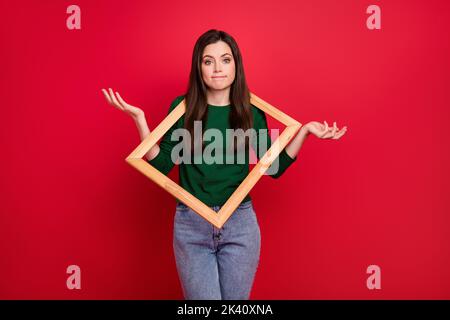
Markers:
<point>175,102</point>
<point>259,117</point>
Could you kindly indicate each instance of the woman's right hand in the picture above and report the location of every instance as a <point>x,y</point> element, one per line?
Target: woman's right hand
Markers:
<point>117,101</point>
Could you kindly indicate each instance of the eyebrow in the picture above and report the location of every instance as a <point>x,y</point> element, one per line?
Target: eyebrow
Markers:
<point>213,57</point>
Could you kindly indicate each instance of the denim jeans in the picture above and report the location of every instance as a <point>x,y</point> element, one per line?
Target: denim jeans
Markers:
<point>214,263</point>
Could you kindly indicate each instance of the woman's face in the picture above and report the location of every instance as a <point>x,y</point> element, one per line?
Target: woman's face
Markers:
<point>218,68</point>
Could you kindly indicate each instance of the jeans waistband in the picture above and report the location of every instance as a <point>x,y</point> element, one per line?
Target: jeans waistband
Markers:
<point>242,205</point>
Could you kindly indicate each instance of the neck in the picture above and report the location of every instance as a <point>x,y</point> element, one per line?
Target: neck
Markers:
<point>218,97</point>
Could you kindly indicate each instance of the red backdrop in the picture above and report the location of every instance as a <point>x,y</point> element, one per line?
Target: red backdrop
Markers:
<point>379,195</point>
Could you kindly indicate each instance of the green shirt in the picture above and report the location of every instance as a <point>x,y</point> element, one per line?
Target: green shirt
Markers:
<point>213,184</point>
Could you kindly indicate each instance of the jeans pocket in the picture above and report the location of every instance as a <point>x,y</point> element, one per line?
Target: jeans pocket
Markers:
<point>181,207</point>
<point>245,205</point>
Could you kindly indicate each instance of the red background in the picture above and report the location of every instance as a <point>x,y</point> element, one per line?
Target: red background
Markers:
<point>379,195</point>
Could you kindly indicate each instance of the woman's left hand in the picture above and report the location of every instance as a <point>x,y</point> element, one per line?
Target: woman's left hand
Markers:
<point>322,131</point>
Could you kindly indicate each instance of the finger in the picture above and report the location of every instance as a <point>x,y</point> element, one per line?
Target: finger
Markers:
<point>108,97</point>
<point>331,131</point>
<point>326,126</point>
<point>340,133</point>
<point>334,129</point>
<point>105,93</point>
<point>115,102</point>
<point>122,102</point>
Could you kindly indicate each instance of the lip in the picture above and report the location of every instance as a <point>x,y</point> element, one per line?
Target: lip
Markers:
<point>217,77</point>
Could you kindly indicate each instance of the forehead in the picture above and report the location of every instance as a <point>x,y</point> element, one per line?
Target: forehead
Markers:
<point>217,49</point>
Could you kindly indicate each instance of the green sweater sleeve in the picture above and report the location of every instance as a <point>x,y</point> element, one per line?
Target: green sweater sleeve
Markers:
<point>163,161</point>
<point>283,160</point>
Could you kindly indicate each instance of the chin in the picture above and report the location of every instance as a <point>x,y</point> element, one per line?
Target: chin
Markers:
<point>219,87</point>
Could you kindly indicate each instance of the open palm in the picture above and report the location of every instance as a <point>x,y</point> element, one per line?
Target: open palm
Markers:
<point>117,101</point>
<point>322,131</point>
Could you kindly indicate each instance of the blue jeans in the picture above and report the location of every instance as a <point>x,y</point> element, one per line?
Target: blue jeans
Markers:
<point>214,263</point>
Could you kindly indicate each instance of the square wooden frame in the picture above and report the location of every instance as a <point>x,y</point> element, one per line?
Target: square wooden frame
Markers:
<point>217,219</point>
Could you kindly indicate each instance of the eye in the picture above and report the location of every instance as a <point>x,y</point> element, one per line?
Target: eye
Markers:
<point>207,62</point>
<point>227,59</point>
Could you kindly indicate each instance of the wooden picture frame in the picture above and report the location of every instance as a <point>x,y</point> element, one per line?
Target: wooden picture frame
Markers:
<point>217,219</point>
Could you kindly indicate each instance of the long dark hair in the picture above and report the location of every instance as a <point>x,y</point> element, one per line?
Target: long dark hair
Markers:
<point>196,103</point>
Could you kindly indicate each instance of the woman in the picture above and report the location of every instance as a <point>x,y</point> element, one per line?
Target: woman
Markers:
<point>217,263</point>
